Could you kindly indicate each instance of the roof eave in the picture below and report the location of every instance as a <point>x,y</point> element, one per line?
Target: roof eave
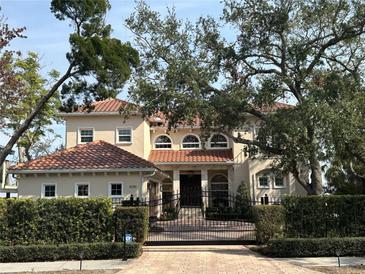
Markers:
<point>96,113</point>
<point>45,171</point>
<point>193,163</point>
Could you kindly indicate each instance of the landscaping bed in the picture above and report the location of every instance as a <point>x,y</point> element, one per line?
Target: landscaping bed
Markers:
<point>340,270</point>
<point>94,251</point>
<point>314,247</point>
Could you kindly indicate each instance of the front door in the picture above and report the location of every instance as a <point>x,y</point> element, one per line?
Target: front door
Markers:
<point>190,190</point>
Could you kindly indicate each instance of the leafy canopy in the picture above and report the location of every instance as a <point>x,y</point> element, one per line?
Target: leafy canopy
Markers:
<point>276,51</point>
<point>99,64</point>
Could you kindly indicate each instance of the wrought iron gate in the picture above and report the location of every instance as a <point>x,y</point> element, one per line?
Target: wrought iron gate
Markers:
<point>200,217</point>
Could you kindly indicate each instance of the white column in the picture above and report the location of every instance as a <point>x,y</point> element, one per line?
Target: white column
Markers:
<point>204,179</point>
<point>159,198</point>
<point>253,185</point>
<point>176,181</point>
<point>231,188</point>
<point>144,189</point>
<point>204,185</point>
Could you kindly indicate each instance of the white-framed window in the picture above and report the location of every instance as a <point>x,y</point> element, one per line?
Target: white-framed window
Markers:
<point>82,190</point>
<point>218,141</point>
<point>264,181</point>
<point>163,142</point>
<point>86,135</point>
<point>190,141</point>
<point>49,190</point>
<point>279,182</point>
<point>124,135</point>
<point>115,189</point>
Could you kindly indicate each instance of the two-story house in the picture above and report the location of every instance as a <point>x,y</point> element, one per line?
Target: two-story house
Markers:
<point>106,155</point>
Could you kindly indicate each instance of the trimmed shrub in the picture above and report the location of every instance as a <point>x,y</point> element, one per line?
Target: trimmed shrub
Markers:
<point>57,221</point>
<point>269,222</point>
<point>316,247</point>
<point>3,226</point>
<point>243,203</point>
<point>325,216</point>
<point>68,220</point>
<point>138,218</point>
<point>34,253</point>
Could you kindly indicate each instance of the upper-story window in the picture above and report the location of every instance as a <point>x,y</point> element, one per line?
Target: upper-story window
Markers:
<point>124,135</point>
<point>86,135</point>
<point>190,141</point>
<point>218,141</point>
<point>163,141</point>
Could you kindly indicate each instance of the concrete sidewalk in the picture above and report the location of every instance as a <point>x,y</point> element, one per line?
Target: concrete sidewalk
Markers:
<point>62,266</point>
<point>324,261</point>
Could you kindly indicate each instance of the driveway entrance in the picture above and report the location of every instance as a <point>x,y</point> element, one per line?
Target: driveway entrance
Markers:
<point>201,217</point>
<point>208,259</point>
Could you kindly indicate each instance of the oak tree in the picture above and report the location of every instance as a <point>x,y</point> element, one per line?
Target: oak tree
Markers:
<point>256,54</point>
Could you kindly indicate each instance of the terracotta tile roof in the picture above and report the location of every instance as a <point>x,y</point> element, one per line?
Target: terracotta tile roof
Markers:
<point>96,155</point>
<point>160,119</point>
<point>276,106</point>
<point>108,105</point>
<point>189,156</point>
<point>115,105</point>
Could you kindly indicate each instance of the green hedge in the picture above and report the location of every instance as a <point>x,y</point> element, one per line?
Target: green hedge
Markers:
<point>269,222</point>
<point>67,220</point>
<point>56,221</point>
<point>2,221</point>
<point>139,226</point>
<point>316,247</point>
<point>325,216</point>
<point>34,253</point>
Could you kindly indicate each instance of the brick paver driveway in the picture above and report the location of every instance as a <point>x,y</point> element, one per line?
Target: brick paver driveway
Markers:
<point>207,259</point>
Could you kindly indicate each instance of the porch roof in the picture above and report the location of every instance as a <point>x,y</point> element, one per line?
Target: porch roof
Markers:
<point>191,156</point>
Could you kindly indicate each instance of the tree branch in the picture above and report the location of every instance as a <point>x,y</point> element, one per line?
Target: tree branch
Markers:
<point>24,126</point>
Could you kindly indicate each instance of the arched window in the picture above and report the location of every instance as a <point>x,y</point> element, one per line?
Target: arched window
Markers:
<point>163,141</point>
<point>219,188</point>
<point>218,141</point>
<point>191,141</point>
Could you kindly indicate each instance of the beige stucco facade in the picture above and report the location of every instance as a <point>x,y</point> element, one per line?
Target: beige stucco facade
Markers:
<point>99,184</point>
<point>105,128</point>
<point>143,134</point>
<point>242,169</point>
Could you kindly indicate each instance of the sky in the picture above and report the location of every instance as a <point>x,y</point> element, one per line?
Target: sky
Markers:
<point>49,37</point>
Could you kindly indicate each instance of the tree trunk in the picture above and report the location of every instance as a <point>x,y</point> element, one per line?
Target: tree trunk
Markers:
<point>27,152</point>
<point>316,186</point>
<point>21,154</point>
<point>25,125</point>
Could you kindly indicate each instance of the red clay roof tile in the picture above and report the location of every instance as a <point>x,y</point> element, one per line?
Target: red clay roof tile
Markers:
<point>108,105</point>
<point>95,155</point>
<point>190,156</point>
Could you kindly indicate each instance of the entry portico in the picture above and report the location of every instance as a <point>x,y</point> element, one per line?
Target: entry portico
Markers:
<point>193,171</point>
